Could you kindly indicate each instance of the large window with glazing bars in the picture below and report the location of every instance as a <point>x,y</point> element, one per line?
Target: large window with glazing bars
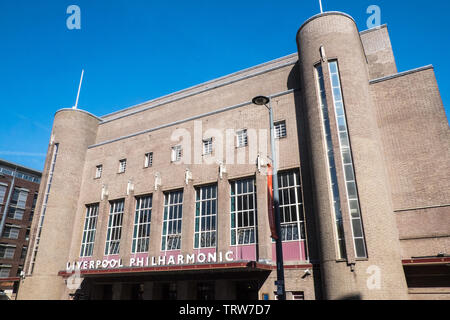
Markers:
<point>243,212</point>
<point>205,217</point>
<point>90,227</point>
<point>347,162</point>
<point>173,216</point>
<point>114,232</point>
<point>291,207</point>
<point>142,221</point>
<point>334,188</point>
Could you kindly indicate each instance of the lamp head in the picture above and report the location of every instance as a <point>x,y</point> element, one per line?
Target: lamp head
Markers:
<point>260,100</point>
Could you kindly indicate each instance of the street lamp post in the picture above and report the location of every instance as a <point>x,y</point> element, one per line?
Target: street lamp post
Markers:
<point>281,292</point>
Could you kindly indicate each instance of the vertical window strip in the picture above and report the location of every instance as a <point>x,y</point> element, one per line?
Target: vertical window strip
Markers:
<point>243,212</point>
<point>347,162</point>
<point>142,221</point>
<point>90,227</point>
<point>291,208</point>
<point>44,207</point>
<point>173,216</point>
<point>205,217</point>
<point>331,163</point>
<point>114,232</point>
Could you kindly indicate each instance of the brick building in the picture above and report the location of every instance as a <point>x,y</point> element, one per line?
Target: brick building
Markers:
<point>18,194</point>
<point>168,199</point>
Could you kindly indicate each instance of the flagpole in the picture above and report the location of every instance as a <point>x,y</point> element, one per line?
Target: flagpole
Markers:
<point>321,8</point>
<point>79,89</point>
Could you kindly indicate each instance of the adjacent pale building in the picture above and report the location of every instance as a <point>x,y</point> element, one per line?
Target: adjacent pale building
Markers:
<point>168,199</point>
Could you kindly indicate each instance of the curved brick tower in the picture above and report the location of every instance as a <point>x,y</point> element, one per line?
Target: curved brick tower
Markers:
<point>338,104</point>
<point>73,131</point>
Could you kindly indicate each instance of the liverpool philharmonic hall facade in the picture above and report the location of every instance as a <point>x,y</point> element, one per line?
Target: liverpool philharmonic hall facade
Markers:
<point>169,199</point>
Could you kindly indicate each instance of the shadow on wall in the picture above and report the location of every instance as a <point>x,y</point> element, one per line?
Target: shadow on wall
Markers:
<point>354,296</point>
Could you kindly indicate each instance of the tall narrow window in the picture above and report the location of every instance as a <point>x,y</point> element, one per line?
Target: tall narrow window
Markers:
<point>44,206</point>
<point>177,152</point>
<point>243,212</point>
<point>122,165</point>
<point>280,129</point>
<point>173,215</point>
<point>90,227</point>
<point>98,171</point>
<point>148,160</point>
<point>114,232</point>
<point>291,211</point>
<point>2,193</point>
<point>207,146</point>
<point>205,217</point>
<point>331,163</point>
<point>142,220</point>
<point>347,162</point>
<point>241,138</point>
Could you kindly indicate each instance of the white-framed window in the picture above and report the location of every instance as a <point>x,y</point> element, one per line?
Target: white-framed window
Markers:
<point>19,198</point>
<point>148,160</point>
<point>291,208</point>
<point>114,232</point>
<point>243,212</point>
<point>98,171</point>
<point>142,222</point>
<point>241,138</point>
<point>11,232</point>
<point>207,146</point>
<point>205,217</point>
<point>280,129</point>
<point>90,228</point>
<point>334,188</point>
<point>7,251</point>
<point>4,271</point>
<point>177,153</point>
<point>347,162</point>
<point>122,165</point>
<point>2,193</point>
<point>173,216</point>
<point>15,213</point>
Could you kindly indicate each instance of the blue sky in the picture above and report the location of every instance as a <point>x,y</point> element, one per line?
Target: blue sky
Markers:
<point>136,50</point>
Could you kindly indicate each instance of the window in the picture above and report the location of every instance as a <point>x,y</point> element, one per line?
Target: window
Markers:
<point>349,173</point>
<point>148,162</point>
<point>48,187</point>
<point>11,232</point>
<point>205,217</point>
<point>114,232</point>
<point>173,214</point>
<point>243,212</point>
<point>15,213</point>
<point>122,165</point>
<point>19,198</point>
<point>207,146</point>
<point>23,253</point>
<point>2,194</point>
<point>7,251</point>
<point>142,221</point>
<point>98,171</point>
<point>4,271</point>
<point>177,152</point>
<point>90,227</point>
<point>339,229</point>
<point>291,212</point>
<point>280,129</point>
<point>241,138</point>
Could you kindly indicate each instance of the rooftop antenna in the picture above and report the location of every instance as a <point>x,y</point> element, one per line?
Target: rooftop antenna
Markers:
<point>79,89</point>
<point>321,8</point>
